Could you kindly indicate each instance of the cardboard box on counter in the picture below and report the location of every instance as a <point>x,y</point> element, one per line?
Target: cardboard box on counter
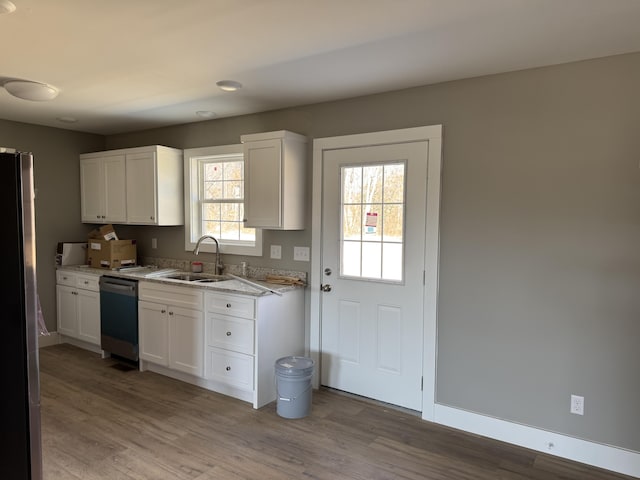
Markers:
<point>105,232</point>
<point>111,253</point>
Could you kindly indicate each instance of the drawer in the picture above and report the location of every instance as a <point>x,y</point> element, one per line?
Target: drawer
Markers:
<point>65,278</point>
<point>88,282</point>
<point>230,333</point>
<point>168,294</point>
<point>227,304</point>
<point>232,368</point>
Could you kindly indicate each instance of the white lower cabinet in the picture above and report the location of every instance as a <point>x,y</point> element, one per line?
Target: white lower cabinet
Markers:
<point>245,335</point>
<point>78,306</point>
<point>171,327</point>
<point>225,342</point>
<point>153,332</point>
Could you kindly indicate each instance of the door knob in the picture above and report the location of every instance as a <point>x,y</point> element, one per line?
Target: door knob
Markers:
<point>325,288</point>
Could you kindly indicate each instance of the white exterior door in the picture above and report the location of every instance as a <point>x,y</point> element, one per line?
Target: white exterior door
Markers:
<point>373,228</point>
<point>374,264</point>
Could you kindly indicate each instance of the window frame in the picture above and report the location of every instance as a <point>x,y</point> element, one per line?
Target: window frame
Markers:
<point>361,241</point>
<point>192,189</point>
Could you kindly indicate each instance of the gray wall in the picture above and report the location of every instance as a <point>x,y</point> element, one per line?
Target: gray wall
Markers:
<point>540,234</point>
<point>540,228</point>
<point>56,175</point>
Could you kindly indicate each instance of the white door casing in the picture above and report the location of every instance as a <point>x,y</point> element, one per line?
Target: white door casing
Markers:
<point>431,137</point>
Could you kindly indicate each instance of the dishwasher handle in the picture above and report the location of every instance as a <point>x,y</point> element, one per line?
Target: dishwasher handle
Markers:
<point>119,285</point>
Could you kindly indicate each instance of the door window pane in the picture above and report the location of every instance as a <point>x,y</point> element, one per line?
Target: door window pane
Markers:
<point>371,260</point>
<point>392,261</point>
<point>352,222</point>
<point>372,222</point>
<point>350,264</point>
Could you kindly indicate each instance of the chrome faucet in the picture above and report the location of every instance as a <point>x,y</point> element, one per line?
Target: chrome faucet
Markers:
<point>219,265</point>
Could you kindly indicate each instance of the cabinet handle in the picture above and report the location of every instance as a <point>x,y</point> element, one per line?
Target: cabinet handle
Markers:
<point>86,283</point>
<point>228,369</point>
<point>228,334</point>
<point>228,305</point>
<point>163,311</point>
<point>170,313</point>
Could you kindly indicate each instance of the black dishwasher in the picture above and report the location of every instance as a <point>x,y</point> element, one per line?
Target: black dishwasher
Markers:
<point>119,317</point>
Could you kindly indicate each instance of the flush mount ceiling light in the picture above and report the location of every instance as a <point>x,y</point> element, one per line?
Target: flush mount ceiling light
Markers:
<point>67,119</point>
<point>34,91</point>
<point>205,113</point>
<point>7,7</point>
<point>229,85</point>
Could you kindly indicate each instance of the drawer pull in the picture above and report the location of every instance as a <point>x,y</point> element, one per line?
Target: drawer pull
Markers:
<point>228,369</point>
<point>228,334</point>
<point>163,311</point>
<point>228,305</point>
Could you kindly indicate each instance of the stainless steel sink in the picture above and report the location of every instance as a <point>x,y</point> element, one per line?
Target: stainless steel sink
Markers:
<point>196,277</point>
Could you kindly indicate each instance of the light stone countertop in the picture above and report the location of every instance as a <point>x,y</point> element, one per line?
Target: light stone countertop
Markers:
<point>147,274</point>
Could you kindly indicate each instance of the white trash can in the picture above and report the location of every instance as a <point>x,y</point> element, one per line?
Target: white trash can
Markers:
<point>293,386</point>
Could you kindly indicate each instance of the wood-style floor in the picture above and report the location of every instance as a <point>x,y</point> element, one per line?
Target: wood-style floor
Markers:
<point>100,422</point>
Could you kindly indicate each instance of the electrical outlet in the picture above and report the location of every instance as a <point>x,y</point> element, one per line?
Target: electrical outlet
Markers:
<point>577,404</point>
<point>154,243</point>
<point>301,254</point>
<point>276,252</point>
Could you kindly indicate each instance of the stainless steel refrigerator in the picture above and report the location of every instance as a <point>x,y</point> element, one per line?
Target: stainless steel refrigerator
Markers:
<point>21,452</point>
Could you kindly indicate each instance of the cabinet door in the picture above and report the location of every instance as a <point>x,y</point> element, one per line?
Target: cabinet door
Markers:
<point>115,200</point>
<point>91,190</point>
<point>153,332</point>
<point>67,310</point>
<point>263,183</point>
<point>186,340</point>
<point>142,207</point>
<point>88,304</point>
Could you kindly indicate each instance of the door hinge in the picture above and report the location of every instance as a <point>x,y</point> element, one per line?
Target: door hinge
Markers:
<point>424,277</point>
<point>421,384</point>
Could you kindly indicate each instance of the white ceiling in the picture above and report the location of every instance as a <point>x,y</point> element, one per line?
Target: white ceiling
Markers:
<point>125,65</point>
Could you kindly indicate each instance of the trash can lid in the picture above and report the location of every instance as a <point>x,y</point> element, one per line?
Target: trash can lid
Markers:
<point>294,366</point>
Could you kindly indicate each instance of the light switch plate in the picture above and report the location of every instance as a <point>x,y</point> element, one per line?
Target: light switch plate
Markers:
<point>301,254</point>
<point>276,252</point>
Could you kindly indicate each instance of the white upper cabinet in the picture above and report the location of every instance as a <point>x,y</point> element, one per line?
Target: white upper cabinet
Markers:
<point>102,188</point>
<point>137,186</point>
<point>274,176</point>
<point>154,187</point>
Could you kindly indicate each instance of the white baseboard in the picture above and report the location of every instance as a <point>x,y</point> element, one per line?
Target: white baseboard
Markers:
<point>610,458</point>
<point>47,340</point>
